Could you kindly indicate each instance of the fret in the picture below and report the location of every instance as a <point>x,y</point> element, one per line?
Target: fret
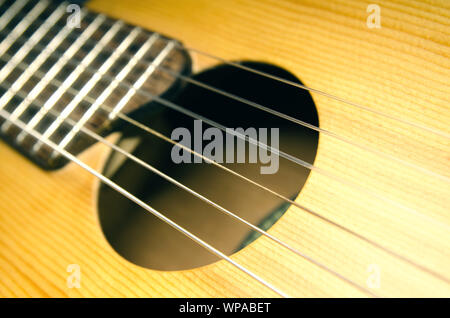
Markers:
<point>123,73</point>
<point>88,86</point>
<point>11,13</point>
<point>40,59</point>
<point>51,73</point>
<point>28,45</point>
<point>91,110</point>
<point>69,53</point>
<point>113,85</point>
<point>29,18</point>
<point>12,37</point>
<point>22,26</point>
<point>142,79</point>
<point>128,68</point>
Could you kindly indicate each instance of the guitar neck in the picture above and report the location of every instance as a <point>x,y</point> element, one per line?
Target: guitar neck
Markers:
<point>65,67</point>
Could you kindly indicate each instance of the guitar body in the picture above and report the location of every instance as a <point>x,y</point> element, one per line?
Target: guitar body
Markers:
<point>49,220</point>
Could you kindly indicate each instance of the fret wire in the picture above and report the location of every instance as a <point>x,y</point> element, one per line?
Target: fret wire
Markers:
<point>22,26</point>
<point>86,88</point>
<point>11,13</point>
<point>306,209</point>
<point>107,91</point>
<point>137,85</point>
<point>142,204</point>
<point>38,61</point>
<point>6,43</point>
<point>135,60</point>
<point>27,46</point>
<point>73,48</point>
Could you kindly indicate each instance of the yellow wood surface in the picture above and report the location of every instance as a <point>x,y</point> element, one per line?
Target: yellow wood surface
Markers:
<point>49,220</point>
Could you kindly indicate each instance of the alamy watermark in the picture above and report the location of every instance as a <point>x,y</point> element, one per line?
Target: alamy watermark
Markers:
<point>374,19</point>
<point>374,278</point>
<point>228,146</point>
<point>74,279</point>
<point>74,20</point>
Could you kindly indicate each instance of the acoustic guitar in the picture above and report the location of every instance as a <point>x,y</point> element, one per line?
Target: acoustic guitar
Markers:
<point>225,148</point>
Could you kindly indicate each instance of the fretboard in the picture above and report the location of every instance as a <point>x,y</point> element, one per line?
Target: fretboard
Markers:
<point>64,70</point>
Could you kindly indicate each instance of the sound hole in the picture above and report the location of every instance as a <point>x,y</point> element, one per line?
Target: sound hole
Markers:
<point>145,240</point>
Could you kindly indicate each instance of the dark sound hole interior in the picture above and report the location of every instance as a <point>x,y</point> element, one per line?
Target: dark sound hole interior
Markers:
<point>145,240</point>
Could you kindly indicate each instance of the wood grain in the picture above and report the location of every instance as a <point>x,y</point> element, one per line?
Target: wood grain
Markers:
<point>48,220</point>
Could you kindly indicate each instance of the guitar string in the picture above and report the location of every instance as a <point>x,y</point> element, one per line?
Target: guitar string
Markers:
<point>139,202</point>
<point>259,144</point>
<point>320,92</point>
<point>314,90</point>
<point>289,157</point>
<point>151,168</point>
<point>147,129</point>
<point>264,146</point>
<point>272,111</point>
<point>300,122</point>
